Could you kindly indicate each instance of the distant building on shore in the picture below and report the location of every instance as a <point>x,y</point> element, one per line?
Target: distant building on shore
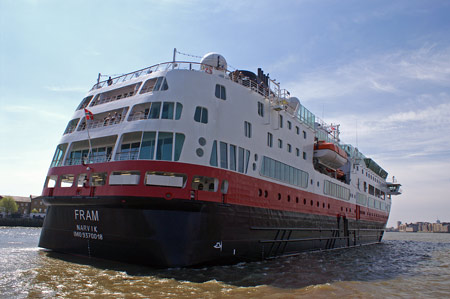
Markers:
<point>31,206</point>
<point>425,227</point>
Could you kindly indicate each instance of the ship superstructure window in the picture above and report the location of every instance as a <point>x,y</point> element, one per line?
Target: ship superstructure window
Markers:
<point>289,125</point>
<point>220,92</point>
<point>333,189</point>
<point>124,178</point>
<point>247,129</point>
<point>98,179</point>
<point>67,180</point>
<point>166,146</point>
<point>280,119</point>
<point>201,115</point>
<point>153,110</point>
<point>239,157</point>
<point>223,155</point>
<point>51,181</point>
<point>280,143</point>
<point>116,94</point>
<point>304,134</point>
<point>154,84</point>
<point>304,155</point>
<point>260,109</point>
<point>277,170</point>
<point>297,130</point>
<point>204,183</point>
<point>289,148</point>
<point>167,179</point>
<point>297,152</point>
<point>101,149</point>
<point>71,126</point>
<point>85,102</point>
<point>361,199</point>
<point>269,139</point>
<point>59,155</point>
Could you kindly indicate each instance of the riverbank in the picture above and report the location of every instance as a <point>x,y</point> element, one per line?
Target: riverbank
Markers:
<point>25,222</point>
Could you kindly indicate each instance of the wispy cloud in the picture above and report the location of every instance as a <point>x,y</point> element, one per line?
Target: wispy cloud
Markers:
<point>394,73</point>
<point>66,89</point>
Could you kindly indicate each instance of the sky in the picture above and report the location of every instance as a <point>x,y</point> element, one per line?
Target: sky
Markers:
<point>380,69</point>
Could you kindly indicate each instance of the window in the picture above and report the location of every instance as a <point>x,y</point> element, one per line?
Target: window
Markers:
<point>98,179</point>
<point>84,103</point>
<point>148,145</point>
<point>289,148</point>
<point>283,172</point>
<point>154,84</point>
<point>51,181</point>
<point>67,180</point>
<point>260,109</point>
<point>281,121</point>
<point>297,152</point>
<point>220,92</point>
<point>59,155</point>
<point>201,115</point>
<point>165,146</point>
<point>289,125</point>
<point>204,183</point>
<point>223,155</point>
<point>297,130</point>
<point>304,155</point>
<point>167,110</point>
<point>247,129</point>
<point>213,158</point>
<point>154,111</point>
<point>169,179</point>
<point>269,139</point>
<point>304,135</point>
<point>336,190</point>
<point>71,126</point>
<point>124,178</point>
<point>241,160</point>
<point>232,157</point>
<point>280,143</point>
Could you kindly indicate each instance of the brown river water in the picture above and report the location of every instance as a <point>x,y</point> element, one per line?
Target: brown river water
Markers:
<point>404,265</point>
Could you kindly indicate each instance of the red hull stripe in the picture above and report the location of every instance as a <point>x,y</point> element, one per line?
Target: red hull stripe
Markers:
<point>243,189</point>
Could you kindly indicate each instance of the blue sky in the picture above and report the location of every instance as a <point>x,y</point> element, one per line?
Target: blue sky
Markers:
<point>379,68</point>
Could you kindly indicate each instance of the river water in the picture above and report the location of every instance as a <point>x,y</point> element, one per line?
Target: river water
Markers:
<point>404,265</point>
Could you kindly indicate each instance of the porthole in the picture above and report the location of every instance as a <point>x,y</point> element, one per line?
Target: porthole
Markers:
<point>323,205</point>
<point>256,157</point>
<point>304,201</point>
<point>311,181</point>
<point>318,184</point>
<point>296,199</point>
<point>279,196</point>
<point>312,202</point>
<point>254,166</point>
<point>318,204</point>
<point>202,141</point>
<point>266,193</point>
<point>289,198</point>
<point>328,206</point>
<point>259,192</point>
<point>199,152</point>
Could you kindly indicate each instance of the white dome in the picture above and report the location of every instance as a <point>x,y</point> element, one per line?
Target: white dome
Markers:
<point>215,60</point>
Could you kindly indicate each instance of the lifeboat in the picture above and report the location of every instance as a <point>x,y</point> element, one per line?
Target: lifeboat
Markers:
<point>329,154</point>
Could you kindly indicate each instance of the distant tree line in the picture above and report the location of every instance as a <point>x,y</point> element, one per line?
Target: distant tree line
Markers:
<point>8,205</point>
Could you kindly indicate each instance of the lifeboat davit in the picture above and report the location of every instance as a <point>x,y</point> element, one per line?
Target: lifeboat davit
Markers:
<point>330,155</point>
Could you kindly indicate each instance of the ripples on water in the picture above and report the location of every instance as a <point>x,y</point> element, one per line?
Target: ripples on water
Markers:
<point>404,265</point>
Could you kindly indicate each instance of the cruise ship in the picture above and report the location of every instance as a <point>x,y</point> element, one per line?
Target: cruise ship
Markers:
<point>190,163</point>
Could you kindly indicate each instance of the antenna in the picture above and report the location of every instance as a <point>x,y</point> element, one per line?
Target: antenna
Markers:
<point>356,132</point>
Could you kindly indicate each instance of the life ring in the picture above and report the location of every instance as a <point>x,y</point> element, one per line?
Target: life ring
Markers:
<point>208,70</point>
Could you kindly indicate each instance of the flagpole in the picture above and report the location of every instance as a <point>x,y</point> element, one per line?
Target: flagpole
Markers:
<point>88,116</point>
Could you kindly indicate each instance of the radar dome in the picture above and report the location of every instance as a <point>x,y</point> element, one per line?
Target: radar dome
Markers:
<point>215,60</point>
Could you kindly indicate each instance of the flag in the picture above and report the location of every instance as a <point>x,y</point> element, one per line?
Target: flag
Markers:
<point>89,114</point>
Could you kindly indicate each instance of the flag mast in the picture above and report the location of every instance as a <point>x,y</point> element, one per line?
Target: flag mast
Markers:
<point>89,116</point>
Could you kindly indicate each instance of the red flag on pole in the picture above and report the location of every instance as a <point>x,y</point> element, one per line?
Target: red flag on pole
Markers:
<point>89,114</point>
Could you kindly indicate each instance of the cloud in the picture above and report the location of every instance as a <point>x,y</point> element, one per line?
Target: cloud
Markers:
<point>393,73</point>
<point>66,89</point>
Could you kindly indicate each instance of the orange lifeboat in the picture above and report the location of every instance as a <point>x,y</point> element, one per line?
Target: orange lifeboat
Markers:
<point>329,154</point>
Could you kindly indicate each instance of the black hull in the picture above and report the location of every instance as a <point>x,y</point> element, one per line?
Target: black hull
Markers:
<point>177,233</point>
